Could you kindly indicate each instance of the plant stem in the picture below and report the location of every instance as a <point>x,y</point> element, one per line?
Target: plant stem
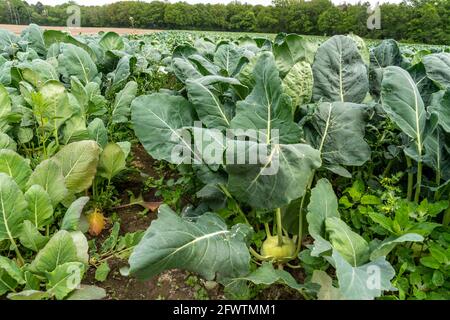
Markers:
<point>55,133</point>
<point>266,226</point>
<point>388,167</point>
<point>256,254</point>
<point>122,206</point>
<point>292,266</point>
<point>419,181</point>
<point>19,257</point>
<point>410,178</point>
<point>300,215</point>
<point>279,227</point>
<point>238,208</point>
<point>437,194</point>
<point>110,255</point>
<point>300,226</point>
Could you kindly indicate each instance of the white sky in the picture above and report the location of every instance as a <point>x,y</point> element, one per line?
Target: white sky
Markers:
<point>264,2</point>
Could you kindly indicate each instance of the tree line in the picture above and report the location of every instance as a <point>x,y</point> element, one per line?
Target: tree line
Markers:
<point>425,21</point>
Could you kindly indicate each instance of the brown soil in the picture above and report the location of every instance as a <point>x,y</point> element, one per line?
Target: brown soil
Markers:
<point>169,285</point>
<point>17,29</point>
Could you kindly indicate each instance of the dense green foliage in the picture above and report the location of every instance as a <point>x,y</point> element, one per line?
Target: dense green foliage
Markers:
<point>424,21</point>
<point>358,138</point>
<point>344,115</point>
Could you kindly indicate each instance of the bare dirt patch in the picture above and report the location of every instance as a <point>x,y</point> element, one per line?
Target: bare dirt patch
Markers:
<point>17,29</point>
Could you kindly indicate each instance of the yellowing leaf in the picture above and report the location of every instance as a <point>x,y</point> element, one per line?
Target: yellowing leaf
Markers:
<point>96,222</point>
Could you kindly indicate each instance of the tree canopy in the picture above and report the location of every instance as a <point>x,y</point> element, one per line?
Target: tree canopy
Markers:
<point>425,21</point>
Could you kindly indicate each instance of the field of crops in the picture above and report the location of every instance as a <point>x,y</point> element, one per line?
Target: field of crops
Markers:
<point>181,165</point>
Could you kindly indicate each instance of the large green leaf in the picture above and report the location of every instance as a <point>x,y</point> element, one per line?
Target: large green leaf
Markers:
<point>298,83</point>
<point>266,274</point>
<point>125,146</point>
<point>6,142</point>
<point>121,74</point>
<point>205,246</point>
<point>51,105</point>
<point>205,66</point>
<point>402,102</point>
<point>122,102</point>
<point>28,295</point>
<point>339,72</point>
<point>184,70</point>
<point>15,166</point>
<point>386,54</point>
<point>81,245</point>
<point>327,290</point>
<point>387,245</point>
<point>267,108</point>
<point>437,66</point>
<point>11,268</point>
<point>157,119</point>
<point>72,216</point>
<point>205,46</point>
<point>275,181</point>
<point>436,156</point>
<point>37,72</point>
<point>48,174</point>
<point>64,279</point>
<point>54,38</point>
<point>34,35</point>
<point>59,250</point>
<point>337,131</point>
<point>439,104</point>
<point>78,90</point>
<point>75,61</point>
<point>12,208</point>
<point>75,129</point>
<point>79,164</point>
<point>98,132</point>
<point>323,204</point>
<point>424,84</point>
<point>112,161</point>
<point>292,50</point>
<point>31,238</point>
<point>206,101</point>
<point>351,246</point>
<point>5,108</point>
<point>362,48</point>
<point>229,58</point>
<point>40,209</point>
<point>364,282</point>
<point>87,292</point>
<point>97,102</point>
<point>111,41</point>
<point>7,284</point>
<point>7,39</point>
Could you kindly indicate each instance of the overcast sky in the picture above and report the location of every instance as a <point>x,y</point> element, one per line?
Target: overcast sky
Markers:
<point>264,2</point>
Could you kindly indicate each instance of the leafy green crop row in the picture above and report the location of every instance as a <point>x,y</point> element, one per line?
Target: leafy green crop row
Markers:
<point>322,101</point>
<point>64,104</point>
<point>358,138</point>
